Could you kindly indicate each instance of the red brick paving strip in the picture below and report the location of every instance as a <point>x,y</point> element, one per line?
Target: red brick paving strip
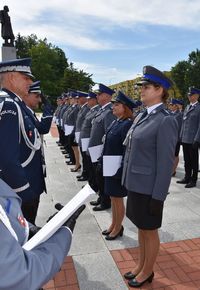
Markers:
<point>177,266</point>
<point>65,279</point>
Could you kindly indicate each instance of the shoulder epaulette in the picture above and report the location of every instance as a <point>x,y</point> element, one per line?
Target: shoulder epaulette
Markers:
<point>166,112</point>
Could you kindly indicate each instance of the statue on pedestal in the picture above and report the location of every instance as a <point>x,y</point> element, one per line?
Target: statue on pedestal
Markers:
<point>6,27</point>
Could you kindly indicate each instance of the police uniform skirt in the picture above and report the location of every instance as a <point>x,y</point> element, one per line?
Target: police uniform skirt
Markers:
<point>72,140</point>
<point>113,187</point>
<point>137,211</point>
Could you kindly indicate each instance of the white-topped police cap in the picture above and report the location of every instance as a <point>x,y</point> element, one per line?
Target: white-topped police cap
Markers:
<point>152,75</point>
<point>101,88</point>
<point>22,65</point>
<point>35,88</point>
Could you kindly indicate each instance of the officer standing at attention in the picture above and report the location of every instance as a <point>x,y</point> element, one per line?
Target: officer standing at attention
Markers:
<point>148,163</point>
<point>82,101</point>
<point>33,99</point>
<point>85,137</point>
<point>190,138</point>
<point>20,147</point>
<point>100,123</point>
<point>28,270</point>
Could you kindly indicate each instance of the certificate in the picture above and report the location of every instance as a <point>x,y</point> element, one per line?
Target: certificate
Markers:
<point>84,144</point>
<point>57,221</point>
<point>77,136</point>
<point>95,152</point>
<point>111,163</point>
<point>68,130</point>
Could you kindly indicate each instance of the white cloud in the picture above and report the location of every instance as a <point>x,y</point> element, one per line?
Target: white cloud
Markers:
<point>104,74</point>
<point>78,23</point>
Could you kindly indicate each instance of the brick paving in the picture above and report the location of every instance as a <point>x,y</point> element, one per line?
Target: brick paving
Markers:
<point>66,279</point>
<point>177,266</point>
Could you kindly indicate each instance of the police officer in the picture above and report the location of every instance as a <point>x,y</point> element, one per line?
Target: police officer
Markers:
<point>176,107</point>
<point>21,269</point>
<point>85,136</point>
<point>100,123</point>
<point>190,138</point>
<point>20,148</point>
<point>113,153</point>
<point>33,99</point>
<point>82,101</point>
<point>59,102</point>
<point>70,122</point>
<point>148,163</point>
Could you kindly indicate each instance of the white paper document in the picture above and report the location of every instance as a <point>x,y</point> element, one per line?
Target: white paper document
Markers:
<point>95,152</point>
<point>54,119</point>
<point>77,136</point>
<point>68,130</point>
<point>57,221</point>
<point>84,144</point>
<point>111,164</point>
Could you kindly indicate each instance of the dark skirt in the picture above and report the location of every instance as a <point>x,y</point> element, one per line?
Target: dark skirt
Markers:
<point>113,187</point>
<point>137,211</point>
<point>72,140</point>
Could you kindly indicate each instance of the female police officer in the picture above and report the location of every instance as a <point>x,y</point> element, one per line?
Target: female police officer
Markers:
<point>147,170</point>
<point>114,151</point>
<point>21,269</point>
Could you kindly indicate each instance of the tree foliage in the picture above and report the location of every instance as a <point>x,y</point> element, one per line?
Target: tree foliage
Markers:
<point>50,66</point>
<point>186,73</point>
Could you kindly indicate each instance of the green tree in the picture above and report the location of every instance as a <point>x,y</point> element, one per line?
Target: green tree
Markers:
<point>50,66</point>
<point>179,75</point>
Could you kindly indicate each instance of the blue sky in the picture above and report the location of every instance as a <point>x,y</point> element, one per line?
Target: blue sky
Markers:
<point>113,39</point>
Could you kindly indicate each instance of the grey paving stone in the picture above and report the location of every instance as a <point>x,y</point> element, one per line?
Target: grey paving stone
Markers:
<point>98,272</point>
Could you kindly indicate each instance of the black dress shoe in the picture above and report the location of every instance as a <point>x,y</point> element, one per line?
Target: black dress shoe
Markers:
<point>101,207</point>
<point>119,234</point>
<point>106,233</point>
<point>79,176</point>
<point>135,284</point>
<point>190,184</point>
<point>78,168</point>
<point>129,275</point>
<point>70,163</point>
<point>95,202</point>
<point>183,181</point>
<point>82,178</point>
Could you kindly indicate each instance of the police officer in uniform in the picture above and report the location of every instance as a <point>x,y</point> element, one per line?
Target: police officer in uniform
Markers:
<point>82,101</point>
<point>28,270</point>
<point>176,106</point>
<point>148,163</point>
<point>33,99</point>
<point>113,153</point>
<point>190,138</point>
<point>20,147</point>
<point>100,124</point>
<point>85,137</point>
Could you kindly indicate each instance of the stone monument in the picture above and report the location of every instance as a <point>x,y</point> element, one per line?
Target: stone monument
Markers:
<point>8,48</point>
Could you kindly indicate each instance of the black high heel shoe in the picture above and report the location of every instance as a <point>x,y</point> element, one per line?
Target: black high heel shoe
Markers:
<point>135,284</point>
<point>120,234</point>
<point>106,233</point>
<point>129,275</point>
<point>76,169</point>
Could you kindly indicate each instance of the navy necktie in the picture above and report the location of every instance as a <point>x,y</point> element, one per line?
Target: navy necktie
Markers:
<point>144,114</point>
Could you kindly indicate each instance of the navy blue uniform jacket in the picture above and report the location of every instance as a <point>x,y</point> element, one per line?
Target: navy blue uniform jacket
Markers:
<point>21,159</point>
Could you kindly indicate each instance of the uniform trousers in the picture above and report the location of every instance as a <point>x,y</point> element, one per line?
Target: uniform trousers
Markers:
<point>85,164</point>
<point>91,174</point>
<point>104,199</point>
<point>29,209</point>
<point>191,159</point>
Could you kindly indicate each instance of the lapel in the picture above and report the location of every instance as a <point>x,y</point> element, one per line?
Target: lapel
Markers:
<point>188,109</point>
<point>155,111</point>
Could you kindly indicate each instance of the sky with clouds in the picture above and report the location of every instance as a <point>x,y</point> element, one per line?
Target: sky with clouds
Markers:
<point>112,39</point>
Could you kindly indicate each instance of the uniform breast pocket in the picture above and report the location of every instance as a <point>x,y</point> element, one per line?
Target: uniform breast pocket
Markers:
<point>141,170</point>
